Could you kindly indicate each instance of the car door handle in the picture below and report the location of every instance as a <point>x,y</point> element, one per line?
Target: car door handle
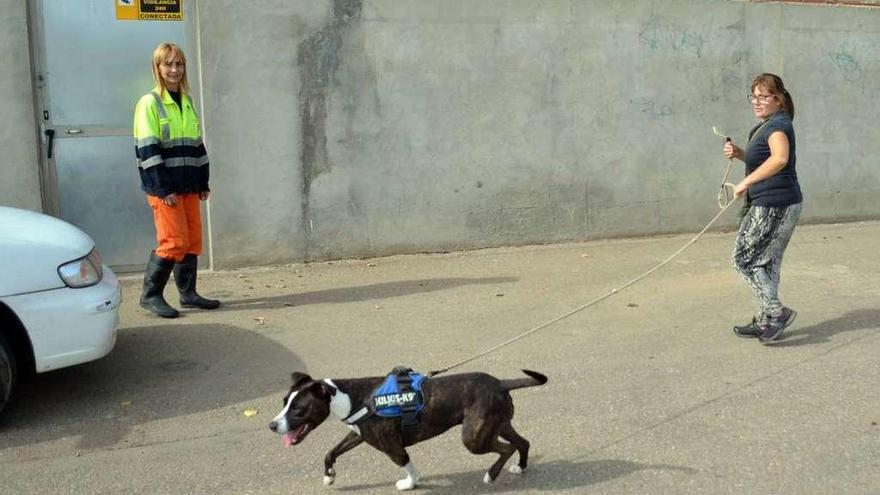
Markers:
<point>74,131</point>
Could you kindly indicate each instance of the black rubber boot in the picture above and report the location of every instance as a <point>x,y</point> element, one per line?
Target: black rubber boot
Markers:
<point>155,277</point>
<point>185,273</point>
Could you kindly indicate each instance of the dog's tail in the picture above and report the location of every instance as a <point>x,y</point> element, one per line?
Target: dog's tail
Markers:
<point>534,380</point>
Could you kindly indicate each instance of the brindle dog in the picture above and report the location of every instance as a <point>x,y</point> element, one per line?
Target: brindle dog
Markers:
<point>479,402</point>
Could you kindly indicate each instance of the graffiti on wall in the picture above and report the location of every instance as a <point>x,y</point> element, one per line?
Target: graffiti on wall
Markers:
<point>852,61</point>
<point>658,36</point>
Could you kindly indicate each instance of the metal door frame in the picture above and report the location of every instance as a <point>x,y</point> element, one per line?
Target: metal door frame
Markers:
<point>48,176</point>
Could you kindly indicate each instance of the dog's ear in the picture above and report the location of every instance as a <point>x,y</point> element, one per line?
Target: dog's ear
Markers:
<point>330,391</point>
<point>299,378</point>
<point>322,390</point>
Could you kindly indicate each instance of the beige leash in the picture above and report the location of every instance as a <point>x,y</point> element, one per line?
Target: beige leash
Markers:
<point>723,205</point>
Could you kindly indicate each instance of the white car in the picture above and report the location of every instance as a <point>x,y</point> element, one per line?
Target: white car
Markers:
<point>58,302</point>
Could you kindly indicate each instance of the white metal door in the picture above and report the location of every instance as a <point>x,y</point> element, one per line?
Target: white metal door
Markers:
<point>90,70</point>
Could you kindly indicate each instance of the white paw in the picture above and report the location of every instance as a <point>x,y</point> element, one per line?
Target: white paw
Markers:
<point>405,484</point>
<point>487,479</point>
<point>515,469</point>
<point>328,480</point>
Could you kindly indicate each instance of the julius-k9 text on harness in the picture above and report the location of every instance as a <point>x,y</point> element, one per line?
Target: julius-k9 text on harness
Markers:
<point>399,395</point>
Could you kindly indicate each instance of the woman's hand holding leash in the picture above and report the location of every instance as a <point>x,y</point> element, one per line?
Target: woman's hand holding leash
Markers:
<point>729,192</point>
<point>732,151</point>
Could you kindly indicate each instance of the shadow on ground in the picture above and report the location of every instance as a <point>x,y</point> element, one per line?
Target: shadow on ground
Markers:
<point>153,373</point>
<point>549,477</point>
<point>354,294</point>
<point>823,332</point>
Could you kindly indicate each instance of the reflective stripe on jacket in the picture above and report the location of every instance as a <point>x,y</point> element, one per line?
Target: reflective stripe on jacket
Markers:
<point>168,144</point>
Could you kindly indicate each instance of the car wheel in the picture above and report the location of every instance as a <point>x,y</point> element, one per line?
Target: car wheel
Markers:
<point>7,372</point>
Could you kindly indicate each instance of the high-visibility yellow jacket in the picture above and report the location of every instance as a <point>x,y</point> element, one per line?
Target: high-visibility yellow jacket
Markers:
<point>168,143</point>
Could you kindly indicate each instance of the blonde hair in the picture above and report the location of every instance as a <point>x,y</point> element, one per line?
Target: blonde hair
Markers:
<point>774,84</point>
<point>163,52</point>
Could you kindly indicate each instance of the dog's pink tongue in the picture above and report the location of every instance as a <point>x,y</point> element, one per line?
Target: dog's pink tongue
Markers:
<point>289,438</point>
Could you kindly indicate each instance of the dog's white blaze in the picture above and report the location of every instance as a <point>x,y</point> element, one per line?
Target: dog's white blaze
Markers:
<point>281,419</point>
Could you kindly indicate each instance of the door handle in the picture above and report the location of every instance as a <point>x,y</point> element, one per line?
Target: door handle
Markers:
<point>50,141</point>
<point>74,131</point>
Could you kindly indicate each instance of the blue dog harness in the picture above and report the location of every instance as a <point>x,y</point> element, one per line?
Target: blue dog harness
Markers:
<point>399,395</point>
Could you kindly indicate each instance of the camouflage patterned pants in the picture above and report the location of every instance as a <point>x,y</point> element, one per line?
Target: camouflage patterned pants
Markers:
<point>763,235</point>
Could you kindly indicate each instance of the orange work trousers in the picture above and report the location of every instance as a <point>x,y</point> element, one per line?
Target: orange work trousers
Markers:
<point>178,227</point>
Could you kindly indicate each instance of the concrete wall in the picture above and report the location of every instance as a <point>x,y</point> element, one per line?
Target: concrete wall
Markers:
<point>342,128</point>
<point>250,86</point>
<point>379,126</point>
<point>19,169</point>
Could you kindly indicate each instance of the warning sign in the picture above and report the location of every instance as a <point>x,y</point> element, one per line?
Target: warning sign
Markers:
<point>149,10</point>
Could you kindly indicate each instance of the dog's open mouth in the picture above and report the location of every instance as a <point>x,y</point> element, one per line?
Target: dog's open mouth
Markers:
<point>296,436</point>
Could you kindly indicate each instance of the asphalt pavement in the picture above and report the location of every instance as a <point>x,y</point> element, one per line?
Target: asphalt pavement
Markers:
<point>650,392</point>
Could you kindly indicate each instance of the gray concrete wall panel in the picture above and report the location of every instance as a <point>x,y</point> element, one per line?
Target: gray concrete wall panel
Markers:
<point>251,86</point>
<point>19,169</point>
<point>423,126</point>
<point>345,128</point>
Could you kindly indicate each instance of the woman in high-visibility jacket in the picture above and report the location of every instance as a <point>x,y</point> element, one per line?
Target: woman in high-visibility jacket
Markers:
<point>173,166</point>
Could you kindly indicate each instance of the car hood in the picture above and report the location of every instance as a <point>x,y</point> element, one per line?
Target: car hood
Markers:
<point>32,247</point>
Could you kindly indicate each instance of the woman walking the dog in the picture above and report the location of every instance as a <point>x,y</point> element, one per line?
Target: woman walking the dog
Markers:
<point>173,167</point>
<point>772,204</point>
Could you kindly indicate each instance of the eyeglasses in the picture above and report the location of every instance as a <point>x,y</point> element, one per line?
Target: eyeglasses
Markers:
<point>762,99</point>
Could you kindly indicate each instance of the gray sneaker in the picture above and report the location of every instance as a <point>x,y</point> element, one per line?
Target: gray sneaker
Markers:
<point>749,330</point>
<point>776,325</point>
